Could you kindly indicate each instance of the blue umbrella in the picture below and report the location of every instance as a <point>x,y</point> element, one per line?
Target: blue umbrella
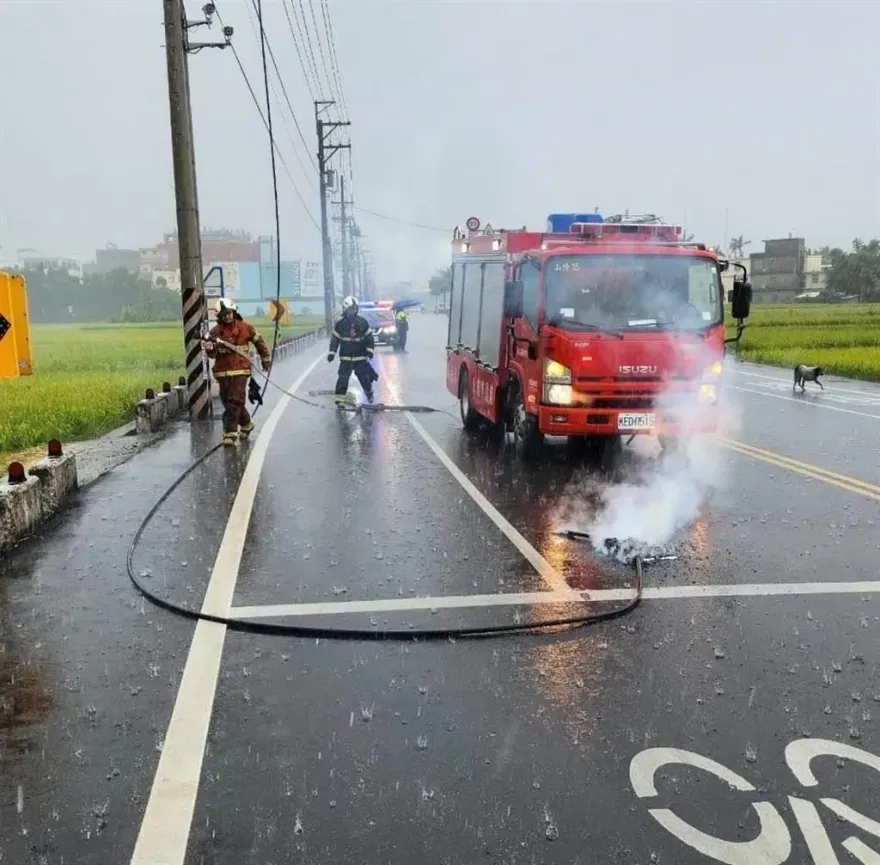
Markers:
<point>406,303</point>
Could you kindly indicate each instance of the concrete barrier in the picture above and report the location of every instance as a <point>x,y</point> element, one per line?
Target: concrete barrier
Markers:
<point>151,413</point>
<point>21,510</point>
<point>35,496</point>
<point>57,476</point>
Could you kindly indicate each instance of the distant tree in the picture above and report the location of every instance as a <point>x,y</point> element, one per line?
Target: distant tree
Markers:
<point>54,296</point>
<point>856,272</point>
<point>440,282</point>
<point>738,245</point>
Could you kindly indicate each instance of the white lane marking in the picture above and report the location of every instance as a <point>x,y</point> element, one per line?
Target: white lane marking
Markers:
<point>871,394</point>
<point>805,402</point>
<point>550,575</point>
<point>515,599</point>
<point>164,832</point>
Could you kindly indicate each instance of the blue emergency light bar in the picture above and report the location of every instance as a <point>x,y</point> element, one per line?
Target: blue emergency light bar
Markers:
<point>561,223</point>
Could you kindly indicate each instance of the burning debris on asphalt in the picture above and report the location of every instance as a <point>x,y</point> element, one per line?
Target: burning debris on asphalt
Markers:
<point>625,551</point>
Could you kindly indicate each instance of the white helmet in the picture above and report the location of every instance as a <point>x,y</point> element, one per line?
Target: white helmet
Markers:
<point>225,305</point>
<point>349,303</point>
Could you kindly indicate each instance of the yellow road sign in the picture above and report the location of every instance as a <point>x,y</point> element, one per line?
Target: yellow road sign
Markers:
<point>16,357</point>
<point>279,312</point>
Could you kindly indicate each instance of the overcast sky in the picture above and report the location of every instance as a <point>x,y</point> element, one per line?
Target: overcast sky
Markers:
<point>502,109</point>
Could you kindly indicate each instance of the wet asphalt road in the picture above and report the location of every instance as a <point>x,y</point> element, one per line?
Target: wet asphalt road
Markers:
<point>518,750</point>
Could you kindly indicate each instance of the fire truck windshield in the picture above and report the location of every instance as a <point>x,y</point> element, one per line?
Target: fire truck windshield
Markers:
<point>626,292</point>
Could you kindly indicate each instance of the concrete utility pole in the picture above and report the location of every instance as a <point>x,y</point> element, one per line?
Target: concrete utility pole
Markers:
<point>346,244</point>
<point>326,151</point>
<point>188,237</point>
<point>189,240</point>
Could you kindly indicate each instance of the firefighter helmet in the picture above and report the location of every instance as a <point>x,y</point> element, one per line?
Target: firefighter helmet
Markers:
<point>349,304</point>
<point>225,305</point>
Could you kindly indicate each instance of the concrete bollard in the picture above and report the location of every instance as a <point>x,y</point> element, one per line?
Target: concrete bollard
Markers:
<point>57,476</point>
<point>151,412</point>
<point>178,398</point>
<point>171,400</point>
<point>21,510</point>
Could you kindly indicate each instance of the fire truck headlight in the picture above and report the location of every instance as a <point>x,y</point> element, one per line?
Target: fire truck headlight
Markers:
<point>557,394</point>
<point>556,373</point>
<point>708,393</point>
<point>713,371</point>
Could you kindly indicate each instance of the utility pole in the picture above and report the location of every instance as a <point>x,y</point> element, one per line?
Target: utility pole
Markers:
<point>326,151</point>
<point>346,242</point>
<point>177,47</point>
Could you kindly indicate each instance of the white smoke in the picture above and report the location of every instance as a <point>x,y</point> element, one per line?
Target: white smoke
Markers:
<point>644,514</point>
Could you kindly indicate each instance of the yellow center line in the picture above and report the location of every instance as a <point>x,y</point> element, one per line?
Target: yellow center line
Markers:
<point>853,485</point>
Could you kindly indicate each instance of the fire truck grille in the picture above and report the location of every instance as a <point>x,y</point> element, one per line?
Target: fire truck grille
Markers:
<point>644,394</point>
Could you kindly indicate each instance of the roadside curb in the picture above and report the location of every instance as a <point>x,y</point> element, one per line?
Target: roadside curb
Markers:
<point>28,498</point>
<point>157,408</point>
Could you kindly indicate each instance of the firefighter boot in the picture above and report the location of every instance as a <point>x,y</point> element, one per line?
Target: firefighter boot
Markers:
<point>229,438</point>
<point>245,431</point>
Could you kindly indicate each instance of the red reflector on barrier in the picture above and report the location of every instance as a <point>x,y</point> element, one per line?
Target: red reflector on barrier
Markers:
<point>16,473</point>
<point>55,448</point>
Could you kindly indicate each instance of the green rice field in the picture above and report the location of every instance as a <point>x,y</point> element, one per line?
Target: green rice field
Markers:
<point>842,338</point>
<point>88,378</point>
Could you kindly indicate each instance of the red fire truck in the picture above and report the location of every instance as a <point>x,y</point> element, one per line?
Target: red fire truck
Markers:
<point>592,328</point>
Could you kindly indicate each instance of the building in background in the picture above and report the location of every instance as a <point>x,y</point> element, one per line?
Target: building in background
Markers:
<point>32,259</point>
<point>169,279</point>
<point>113,258</point>
<point>815,273</point>
<point>777,273</point>
<point>217,245</point>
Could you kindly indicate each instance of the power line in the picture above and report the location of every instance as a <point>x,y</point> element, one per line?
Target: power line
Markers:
<point>402,221</point>
<point>334,60</point>
<point>321,49</point>
<point>299,52</point>
<point>284,91</point>
<point>263,42</point>
<point>308,36</point>
<point>256,101</point>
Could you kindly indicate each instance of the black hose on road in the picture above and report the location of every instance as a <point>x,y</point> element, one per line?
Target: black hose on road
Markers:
<point>331,633</point>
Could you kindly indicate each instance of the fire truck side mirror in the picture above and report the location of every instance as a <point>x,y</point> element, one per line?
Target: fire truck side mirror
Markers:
<point>741,299</point>
<point>513,299</point>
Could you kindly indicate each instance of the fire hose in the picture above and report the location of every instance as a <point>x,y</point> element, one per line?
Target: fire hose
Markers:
<point>373,633</point>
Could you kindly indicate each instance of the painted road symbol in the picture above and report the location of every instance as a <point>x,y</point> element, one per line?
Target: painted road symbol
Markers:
<point>772,846</point>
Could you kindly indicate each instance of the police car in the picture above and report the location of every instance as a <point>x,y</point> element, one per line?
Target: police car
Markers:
<point>380,317</point>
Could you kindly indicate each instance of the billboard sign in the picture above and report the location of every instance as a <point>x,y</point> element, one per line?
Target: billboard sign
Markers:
<point>312,278</point>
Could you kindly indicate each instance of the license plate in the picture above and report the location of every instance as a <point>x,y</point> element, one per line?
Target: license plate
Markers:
<point>642,420</point>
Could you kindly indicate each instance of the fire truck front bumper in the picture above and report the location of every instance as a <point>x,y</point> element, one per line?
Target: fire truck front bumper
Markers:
<point>696,417</point>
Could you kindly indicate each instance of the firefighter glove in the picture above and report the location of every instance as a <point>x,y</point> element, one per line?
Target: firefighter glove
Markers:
<point>254,394</point>
<point>267,365</point>
<point>331,357</point>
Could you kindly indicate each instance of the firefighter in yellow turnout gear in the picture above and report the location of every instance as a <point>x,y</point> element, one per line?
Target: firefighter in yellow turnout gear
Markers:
<point>232,369</point>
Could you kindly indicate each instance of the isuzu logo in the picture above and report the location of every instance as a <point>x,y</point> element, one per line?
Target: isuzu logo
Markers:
<point>637,370</point>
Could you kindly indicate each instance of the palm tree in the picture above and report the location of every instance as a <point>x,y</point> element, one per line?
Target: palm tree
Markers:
<point>738,245</point>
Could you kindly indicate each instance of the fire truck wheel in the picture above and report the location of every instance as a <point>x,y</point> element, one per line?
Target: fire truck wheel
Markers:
<point>470,419</point>
<point>528,440</point>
